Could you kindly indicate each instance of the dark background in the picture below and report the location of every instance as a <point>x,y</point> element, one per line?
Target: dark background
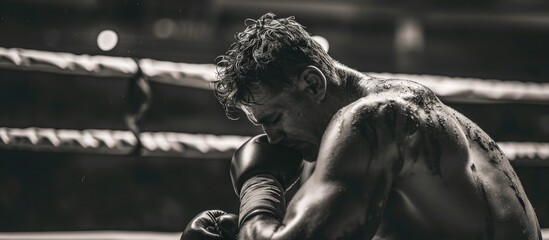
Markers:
<point>492,39</point>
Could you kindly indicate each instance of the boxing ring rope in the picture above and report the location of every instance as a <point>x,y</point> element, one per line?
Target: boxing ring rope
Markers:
<point>184,144</point>
<point>115,142</point>
<point>179,74</point>
<point>201,75</point>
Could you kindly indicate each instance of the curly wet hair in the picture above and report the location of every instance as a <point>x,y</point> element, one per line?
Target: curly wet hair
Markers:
<point>269,51</point>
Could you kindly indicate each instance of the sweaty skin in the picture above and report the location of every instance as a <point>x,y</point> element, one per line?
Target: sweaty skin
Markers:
<point>399,164</point>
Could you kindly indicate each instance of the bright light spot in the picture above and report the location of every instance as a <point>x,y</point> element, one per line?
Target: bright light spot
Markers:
<point>107,40</point>
<point>409,35</point>
<point>164,28</point>
<point>322,41</point>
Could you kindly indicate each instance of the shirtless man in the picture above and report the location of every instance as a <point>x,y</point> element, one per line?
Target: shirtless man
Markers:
<point>392,161</point>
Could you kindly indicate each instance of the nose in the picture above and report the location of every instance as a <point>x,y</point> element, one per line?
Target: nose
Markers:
<point>274,135</point>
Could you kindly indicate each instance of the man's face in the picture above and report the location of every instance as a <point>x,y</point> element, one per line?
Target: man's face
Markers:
<point>289,117</point>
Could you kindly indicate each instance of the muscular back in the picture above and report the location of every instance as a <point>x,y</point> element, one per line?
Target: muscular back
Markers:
<point>455,181</point>
<point>399,164</point>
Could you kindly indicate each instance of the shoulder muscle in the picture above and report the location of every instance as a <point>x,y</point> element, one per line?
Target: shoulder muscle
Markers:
<point>367,134</point>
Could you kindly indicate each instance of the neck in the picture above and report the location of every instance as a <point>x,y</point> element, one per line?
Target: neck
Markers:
<point>346,87</point>
<point>351,85</point>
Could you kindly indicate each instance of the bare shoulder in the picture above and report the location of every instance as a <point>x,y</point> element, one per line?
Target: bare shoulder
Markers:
<point>374,127</point>
<point>401,103</point>
<point>402,91</point>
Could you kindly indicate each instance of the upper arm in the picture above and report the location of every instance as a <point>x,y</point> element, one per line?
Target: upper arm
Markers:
<point>368,137</point>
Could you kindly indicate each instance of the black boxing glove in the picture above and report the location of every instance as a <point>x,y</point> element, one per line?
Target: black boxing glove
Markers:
<point>258,156</point>
<point>212,225</point>
<point>261,172</point>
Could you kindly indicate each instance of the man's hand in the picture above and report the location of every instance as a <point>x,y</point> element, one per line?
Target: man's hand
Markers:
<point>261,172</point>
<point>212,225</point>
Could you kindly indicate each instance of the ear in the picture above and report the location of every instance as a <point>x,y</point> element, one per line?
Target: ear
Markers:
<point>312,82</point>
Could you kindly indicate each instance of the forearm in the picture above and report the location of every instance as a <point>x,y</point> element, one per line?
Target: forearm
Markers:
<point>262,207</point>
<point>263,212</point>
<point>319,210</point>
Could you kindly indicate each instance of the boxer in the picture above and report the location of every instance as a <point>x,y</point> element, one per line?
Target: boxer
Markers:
<point>392,160</point>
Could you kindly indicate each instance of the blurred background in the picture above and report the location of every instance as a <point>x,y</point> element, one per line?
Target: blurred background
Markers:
<point>506,40</point>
